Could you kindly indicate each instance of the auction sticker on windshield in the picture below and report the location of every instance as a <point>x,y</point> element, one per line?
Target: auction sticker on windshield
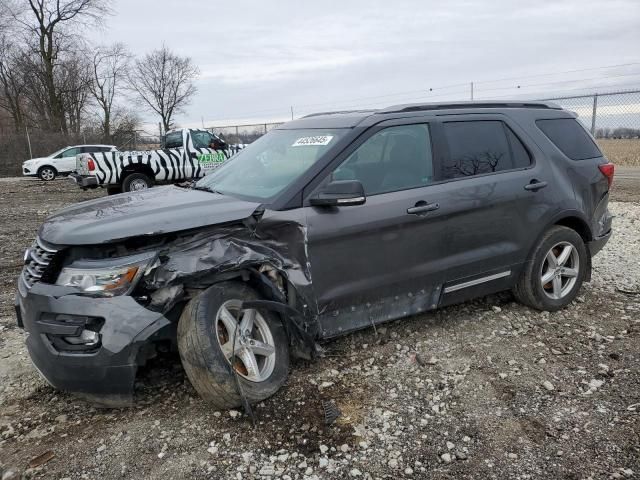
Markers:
<point>315,140</point>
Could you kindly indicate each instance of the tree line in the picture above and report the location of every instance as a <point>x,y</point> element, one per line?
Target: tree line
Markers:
<point>54,79</point>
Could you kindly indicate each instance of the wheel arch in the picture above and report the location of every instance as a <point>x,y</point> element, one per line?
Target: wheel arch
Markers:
<point>281,298</point>
<point>138,168</point>
<point>47,165</point>
<point>577,222</point>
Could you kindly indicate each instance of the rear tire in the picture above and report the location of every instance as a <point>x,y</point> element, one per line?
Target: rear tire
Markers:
<point>205,341</point>
<point>47,173</point>
<point>552,277</point>
<point>135,182</point>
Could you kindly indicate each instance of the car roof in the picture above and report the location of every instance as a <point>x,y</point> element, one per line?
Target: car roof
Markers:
<point>91,145</point>
<point>351,118</point>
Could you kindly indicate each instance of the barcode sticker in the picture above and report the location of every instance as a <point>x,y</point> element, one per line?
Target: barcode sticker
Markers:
<point>313,141</point>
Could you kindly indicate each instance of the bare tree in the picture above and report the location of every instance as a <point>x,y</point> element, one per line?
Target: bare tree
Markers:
<point>50,22</point>
<point>164,82</point>
<point>109,68</point>
<point>12,85</point>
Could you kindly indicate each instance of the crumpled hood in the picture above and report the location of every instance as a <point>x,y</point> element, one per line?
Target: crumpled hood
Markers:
<point>148,212</point>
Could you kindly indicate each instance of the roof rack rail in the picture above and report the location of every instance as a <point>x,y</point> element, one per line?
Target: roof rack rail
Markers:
<point>414,107</point>
<point>337,112</point>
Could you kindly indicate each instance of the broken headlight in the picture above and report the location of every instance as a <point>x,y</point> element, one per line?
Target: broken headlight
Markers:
<point>106,278</point>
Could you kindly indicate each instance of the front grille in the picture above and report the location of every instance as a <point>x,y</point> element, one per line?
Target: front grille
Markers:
<point>37,263</point>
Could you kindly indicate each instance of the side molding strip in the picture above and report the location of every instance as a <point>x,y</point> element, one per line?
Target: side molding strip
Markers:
<point>477,281</point>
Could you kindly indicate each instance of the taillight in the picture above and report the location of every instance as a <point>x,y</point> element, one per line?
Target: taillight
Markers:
<point>607,170</point>
<point>91,165</point>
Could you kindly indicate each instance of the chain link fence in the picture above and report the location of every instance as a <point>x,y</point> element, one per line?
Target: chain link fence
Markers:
<point>16,147</point>
<point>612,117</point>
<point>243,133</point>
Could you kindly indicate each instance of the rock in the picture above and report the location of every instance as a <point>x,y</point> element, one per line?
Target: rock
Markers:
<point>502,375</point>
<point>595,384</point>
<point>323,462</point>
<point>267,470</point>
<point>408,471</point>
<point>101,448</point>
<point>512,456</point>
<point>234,413</point>
<point>450,446</point>
<point>393,463</point>
<point>344,448</point>
<point>308,471</point>
<point>161,455</point>
<point>446,458</point>
<point>548,385</point>
<point>302,465</point>
<point>10,474</point>
<point>355,472</point>
<point>324,449</point>
<point>496,309</point>
<point>325,385</point>
<point>466,439</point>
<point>61,418</point>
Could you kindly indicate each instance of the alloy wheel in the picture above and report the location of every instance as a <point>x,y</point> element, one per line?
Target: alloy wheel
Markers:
<point>246,341</point>
<point>559,271</point>
<point>47,174</point>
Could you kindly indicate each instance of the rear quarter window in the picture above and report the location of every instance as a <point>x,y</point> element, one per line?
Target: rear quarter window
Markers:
<point>570,137</point>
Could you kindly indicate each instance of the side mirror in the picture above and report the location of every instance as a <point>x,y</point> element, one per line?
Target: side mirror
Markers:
<point>340,193</point>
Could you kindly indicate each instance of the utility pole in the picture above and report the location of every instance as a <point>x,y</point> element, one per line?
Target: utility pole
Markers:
<point>291,112</point>
<point>593,114</point>
<point>471,90</point>
<point>28,141</point>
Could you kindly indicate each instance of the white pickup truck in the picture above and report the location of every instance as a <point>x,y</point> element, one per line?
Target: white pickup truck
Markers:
<point>187,153</point>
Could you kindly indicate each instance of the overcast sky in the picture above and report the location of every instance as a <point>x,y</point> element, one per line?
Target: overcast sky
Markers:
<point>259,58</point>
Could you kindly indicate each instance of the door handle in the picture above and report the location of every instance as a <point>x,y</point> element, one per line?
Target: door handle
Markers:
<point>535,185</point>
<point>422,207</point>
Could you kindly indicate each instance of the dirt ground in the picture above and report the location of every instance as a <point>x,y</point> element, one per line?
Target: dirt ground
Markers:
<point>486,389</point>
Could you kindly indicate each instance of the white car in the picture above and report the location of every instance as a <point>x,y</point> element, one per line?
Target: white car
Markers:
<point>61,162</point>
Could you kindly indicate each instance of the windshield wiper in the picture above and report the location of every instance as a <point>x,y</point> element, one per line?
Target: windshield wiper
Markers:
<point>206,189</point>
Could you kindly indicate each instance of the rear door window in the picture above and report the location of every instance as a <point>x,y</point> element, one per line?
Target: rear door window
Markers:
<point>173,140</point>
<point>481,147</point>
<point>570,137</point>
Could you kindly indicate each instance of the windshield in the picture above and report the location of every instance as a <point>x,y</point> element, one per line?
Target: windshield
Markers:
<point>267,166</point>
<point>57,152</point>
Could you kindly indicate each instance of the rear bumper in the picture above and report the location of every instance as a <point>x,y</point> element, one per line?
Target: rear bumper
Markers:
<point>598,243</point>
<point>84,181</point>
<point>104,373</point>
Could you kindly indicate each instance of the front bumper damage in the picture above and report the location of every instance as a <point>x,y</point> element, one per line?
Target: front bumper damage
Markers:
<point>103,373</point>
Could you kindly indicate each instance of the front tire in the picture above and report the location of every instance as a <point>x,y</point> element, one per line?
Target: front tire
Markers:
<point>47,173</point>
<point>552,277</point>
<point>207,332</point>
<point>135,182</point>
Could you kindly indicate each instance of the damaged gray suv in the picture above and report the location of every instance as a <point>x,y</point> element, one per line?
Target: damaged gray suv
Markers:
<point>325,225</point>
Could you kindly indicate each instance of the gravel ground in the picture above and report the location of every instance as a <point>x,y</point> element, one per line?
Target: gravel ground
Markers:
<point>484,389</point>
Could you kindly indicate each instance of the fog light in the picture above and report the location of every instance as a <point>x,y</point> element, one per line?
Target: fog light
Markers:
<point>87,338</point>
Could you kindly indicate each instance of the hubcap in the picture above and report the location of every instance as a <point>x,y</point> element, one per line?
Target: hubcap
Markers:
<point>253,355</point>
<point>47,174</point>
<point>559,271</point>
<point>138,184</point>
